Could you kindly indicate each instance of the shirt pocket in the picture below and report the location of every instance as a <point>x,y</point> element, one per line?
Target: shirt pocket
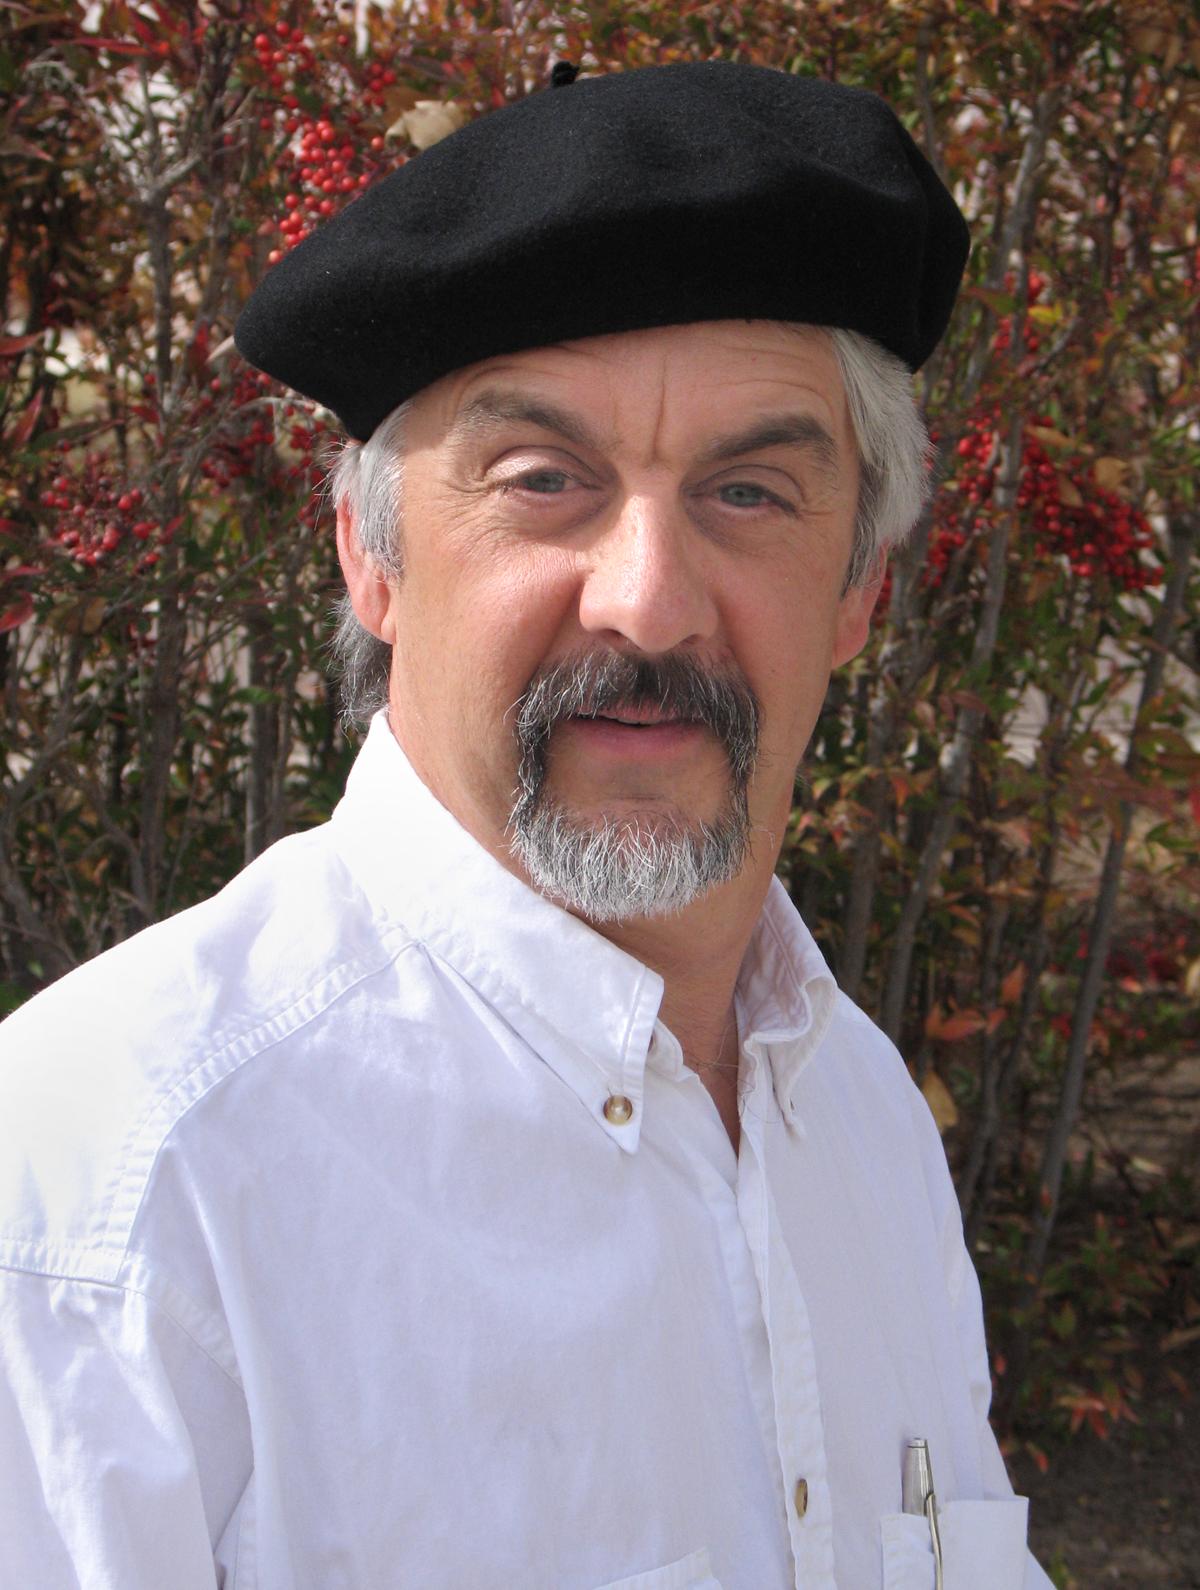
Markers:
<point>689,1573</point>
<point>983,1547</point>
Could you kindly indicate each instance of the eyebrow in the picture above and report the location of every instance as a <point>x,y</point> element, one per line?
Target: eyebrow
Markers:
<point>492,408</point>
<point>779,430</point>
<point>496,407</point>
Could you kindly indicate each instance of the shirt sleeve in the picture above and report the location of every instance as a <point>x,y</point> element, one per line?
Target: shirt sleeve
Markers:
<point>124,1445</point>
<point>966,1298</point>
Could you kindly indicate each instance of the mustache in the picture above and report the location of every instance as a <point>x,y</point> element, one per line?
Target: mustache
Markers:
<point>587,685</point>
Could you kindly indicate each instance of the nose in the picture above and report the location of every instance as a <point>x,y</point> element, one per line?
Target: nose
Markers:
<point>645,583</point>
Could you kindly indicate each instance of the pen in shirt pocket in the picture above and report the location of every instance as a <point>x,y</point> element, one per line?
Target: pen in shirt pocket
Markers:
<point>918,1496</point>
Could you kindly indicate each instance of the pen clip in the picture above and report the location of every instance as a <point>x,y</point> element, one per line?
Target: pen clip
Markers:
<point>918,1496</point>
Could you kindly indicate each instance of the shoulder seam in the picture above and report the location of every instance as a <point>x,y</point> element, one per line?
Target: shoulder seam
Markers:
<point>127,1290</point>
<point>168,1108</point>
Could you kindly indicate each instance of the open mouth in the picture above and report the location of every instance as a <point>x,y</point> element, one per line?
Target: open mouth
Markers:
<point>619,734</point>
<point>634,719</point>
<point>642,723</point>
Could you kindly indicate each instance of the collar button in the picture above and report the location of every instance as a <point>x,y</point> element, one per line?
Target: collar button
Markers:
<point>618,1110</point>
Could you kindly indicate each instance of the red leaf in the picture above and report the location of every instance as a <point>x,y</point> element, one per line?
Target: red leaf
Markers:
<point>17,614</point>
<point>1013,984</point>
<point>14,144</point>
<point>117,46</point>
<point>143,29</point>
<point>953,1028</point>
<point>24,426</point>
<point>11,346</point>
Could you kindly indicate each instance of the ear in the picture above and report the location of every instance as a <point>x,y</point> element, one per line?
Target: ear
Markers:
<point>854,615</point>
<point>370,594</point>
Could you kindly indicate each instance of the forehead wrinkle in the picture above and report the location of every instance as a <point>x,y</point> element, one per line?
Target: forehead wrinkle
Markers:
<point>656,426</point>
<point>498,406</point>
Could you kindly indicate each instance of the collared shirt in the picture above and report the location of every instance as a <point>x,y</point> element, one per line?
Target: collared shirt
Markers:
<point>363,1226</point>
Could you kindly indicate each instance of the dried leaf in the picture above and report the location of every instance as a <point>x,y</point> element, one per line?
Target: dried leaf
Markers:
<point>941,1104</point>
<point>1069,492</point>
<point>79,618</point>
<point>969,700</point>
<point>1016,833</point>
<point>1180,1384</point>
<point>1149,40</point>
<point>1173,1340</point>
<point>1049,437</point>
<point>1013,985</point>
<point>953,1028</point>
<point>427,123</point>
<point>1111,474</point>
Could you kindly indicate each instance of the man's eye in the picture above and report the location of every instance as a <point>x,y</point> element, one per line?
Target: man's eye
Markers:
<point>546,482</point>
<point>742,494</point>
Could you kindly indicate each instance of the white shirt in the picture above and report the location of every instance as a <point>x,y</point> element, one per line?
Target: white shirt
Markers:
<point>325,1266</point>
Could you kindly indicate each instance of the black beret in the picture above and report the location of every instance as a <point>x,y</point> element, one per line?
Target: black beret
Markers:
<point>654,197</point>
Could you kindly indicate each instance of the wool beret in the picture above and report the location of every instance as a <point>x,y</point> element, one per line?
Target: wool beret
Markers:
<point>653,197</point>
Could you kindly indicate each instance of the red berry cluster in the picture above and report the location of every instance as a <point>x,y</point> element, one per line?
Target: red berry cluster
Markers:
<point>326,167</point>
<point>1151,957</point>
<point>1096,531</point>
<point>97,515</point>
<point>245,447</point>
<point>1035,287</point>
<point>1071,516</point>
<point>974,480</point>
<point>235,450</point>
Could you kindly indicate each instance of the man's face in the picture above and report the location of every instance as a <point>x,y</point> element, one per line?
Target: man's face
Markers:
<point>622,599</point>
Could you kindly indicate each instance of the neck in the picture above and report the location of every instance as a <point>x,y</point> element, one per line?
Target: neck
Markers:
<point>698,953</point>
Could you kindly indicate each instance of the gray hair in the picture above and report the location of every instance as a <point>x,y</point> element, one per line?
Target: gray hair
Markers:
<point>367,479</point>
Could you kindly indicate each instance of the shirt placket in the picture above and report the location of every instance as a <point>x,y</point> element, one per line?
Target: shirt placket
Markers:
<point>799,1432</point>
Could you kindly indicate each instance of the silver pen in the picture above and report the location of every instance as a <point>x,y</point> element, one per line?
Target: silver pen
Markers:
<point>917,1496</point>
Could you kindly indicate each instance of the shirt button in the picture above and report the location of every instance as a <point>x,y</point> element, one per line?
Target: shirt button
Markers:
<point>618,1110</point>
<point>800,1497</point>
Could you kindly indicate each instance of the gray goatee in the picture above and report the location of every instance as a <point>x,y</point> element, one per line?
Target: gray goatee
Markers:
<point>640,864</point>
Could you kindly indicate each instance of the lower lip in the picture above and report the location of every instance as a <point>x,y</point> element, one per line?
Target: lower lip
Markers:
<point>651,739</point>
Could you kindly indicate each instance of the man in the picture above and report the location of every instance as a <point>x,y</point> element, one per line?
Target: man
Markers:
<point>491,1188</point>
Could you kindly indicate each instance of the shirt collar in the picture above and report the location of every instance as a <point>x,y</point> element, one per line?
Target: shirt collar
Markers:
<point>785,998</point>
<point>584,1005</point>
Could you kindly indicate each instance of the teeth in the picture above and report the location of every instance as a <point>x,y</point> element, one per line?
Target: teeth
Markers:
<point>634,723</point>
